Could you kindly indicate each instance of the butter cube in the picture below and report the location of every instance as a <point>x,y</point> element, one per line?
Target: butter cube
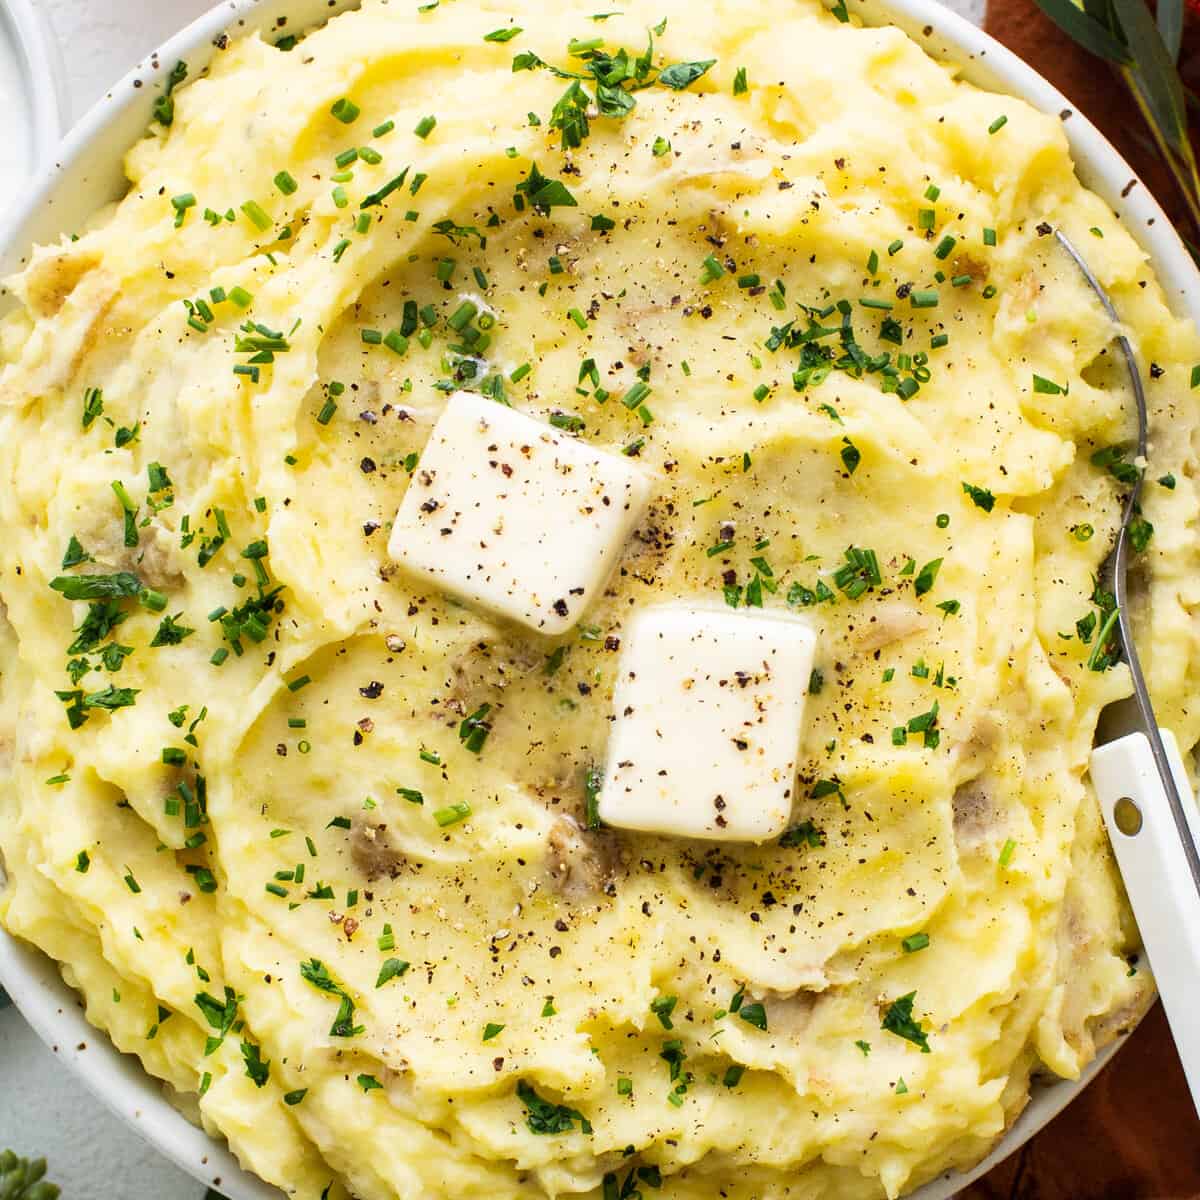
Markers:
<point>709,711</point>
<point>508,513</point>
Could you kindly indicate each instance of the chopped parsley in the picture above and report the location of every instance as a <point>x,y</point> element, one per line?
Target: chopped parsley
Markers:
<point>682,75</point>
<point>927,576</point>
<point>981,497</point>
<point>256,1069</point>
<point>393,968</point>
<point>544,194</point>
<point>899,1020</point>
<point>804,834</point>
<point>316,973</point>
<point>754,1014</point>
<point>542,1117</point>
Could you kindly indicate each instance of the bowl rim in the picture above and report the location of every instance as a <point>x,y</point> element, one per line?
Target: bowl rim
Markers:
<point>57,201</point>
<point>41,64</point>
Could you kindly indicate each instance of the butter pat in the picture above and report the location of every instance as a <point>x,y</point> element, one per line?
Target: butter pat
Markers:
<point>506,512</point>
<point>708,717</point>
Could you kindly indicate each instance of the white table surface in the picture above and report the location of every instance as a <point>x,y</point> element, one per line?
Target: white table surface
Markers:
<point>43,1108</point>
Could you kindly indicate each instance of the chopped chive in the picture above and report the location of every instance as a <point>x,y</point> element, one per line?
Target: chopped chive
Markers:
<point>989,237</point>
<point>998,124</point>
<point>462,316</point>
<point>345,110</point>
<point>181,204</point>
<point>452,813</point>
<point>1007,852</point>
<point>924,298</point>
<point>257,215</point>
<point>378,197</point>
<point>636,394</point>
<point>154,601</point>
<point>285,183</point>
<point>385,128</point>
<point>425,126</point>
<point>1047,387</point>
<point>944,247</point>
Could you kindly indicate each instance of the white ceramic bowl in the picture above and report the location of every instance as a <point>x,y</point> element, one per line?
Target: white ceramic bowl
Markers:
<point>32,67</point>
<point>88,174</point>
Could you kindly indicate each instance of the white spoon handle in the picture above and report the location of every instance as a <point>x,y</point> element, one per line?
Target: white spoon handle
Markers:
<point>1160,886</point>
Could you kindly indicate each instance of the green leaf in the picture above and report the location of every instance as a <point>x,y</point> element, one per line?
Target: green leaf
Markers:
<point>899,1018</point>
<point>1080,28</point>
<point>545,194</point>
<point>97,587</point>
<point>24,1179</point>
<point>681,75</point>
<point>754,1014</point>
<point>393,968</point>
<point>927,576</point>
<point>1169,14</point>
<point>543,1117</point>
<point>1153,73</point>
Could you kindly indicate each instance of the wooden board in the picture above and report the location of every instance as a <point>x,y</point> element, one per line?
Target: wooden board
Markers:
<point>1132,1135</point>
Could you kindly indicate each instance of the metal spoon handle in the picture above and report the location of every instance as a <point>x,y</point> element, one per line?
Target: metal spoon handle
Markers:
<point>1117,568</point>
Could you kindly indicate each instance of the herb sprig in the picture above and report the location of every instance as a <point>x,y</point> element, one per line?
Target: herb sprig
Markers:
<point>1144,51</point>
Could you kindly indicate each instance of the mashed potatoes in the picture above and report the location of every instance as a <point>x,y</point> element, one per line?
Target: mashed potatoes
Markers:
<point>256,805</point>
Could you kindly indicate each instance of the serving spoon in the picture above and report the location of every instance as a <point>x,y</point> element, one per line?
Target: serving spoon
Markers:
<point>1141,782</point>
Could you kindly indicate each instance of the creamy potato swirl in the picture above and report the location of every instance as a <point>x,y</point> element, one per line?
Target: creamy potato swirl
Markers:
<point>255,804</point>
